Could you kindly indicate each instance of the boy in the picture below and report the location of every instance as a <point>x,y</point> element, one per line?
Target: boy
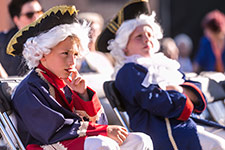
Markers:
<point>54,107</point>
<point>158,100</point>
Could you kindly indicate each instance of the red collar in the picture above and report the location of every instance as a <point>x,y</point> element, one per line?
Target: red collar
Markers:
<point>51,77</point>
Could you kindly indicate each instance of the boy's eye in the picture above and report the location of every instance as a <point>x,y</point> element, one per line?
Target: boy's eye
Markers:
<point>66,53</point>
<point>76,54</point>
<point>139,36</point>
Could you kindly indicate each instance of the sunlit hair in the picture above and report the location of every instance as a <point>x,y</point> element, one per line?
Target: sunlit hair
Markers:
<point>36,47</point>
<point>117,45</point>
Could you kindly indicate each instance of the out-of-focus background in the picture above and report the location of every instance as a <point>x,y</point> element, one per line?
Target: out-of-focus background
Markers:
<point>175,16</point>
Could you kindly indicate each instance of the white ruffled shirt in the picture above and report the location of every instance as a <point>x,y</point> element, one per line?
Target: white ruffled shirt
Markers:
<point>161,70</point>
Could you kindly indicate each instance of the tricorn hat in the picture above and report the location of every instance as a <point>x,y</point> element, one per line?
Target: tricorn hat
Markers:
<point>55,16</point>
<point>130,10</point>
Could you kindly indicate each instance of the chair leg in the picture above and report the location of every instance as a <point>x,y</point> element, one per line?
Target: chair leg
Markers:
<point>121,119</point>
<point>13,130</point>
<point>5,133</point>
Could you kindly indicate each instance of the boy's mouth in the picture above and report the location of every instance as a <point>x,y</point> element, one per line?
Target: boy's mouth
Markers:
<point>70,70</point>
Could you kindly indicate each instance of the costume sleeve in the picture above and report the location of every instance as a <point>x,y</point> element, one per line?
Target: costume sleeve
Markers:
<point>46,120</point>
<point>91,109</point>
<point>194,87</point>
<point>138,99</point>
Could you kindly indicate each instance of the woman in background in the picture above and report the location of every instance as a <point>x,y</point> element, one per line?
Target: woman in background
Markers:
<point>211,53</point>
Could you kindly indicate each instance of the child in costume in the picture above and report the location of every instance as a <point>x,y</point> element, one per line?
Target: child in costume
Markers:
<point>157,98</point>
<point>54,107</point>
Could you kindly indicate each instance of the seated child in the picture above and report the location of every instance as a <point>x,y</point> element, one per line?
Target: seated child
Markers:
<point>158,99</point>
<point>54,107</point>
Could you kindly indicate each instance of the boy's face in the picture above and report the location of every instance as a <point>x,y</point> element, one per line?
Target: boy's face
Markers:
<point>62,59</point>
<point>140,41</point>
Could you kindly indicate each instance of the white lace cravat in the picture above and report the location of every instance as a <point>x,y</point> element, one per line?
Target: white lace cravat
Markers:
<point>161,70</point>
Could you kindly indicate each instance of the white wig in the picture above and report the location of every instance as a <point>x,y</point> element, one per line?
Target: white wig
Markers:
<point>117,45</point>
<point>36,47</point>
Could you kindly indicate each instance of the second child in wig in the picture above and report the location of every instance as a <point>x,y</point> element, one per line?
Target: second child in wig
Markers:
<point>54,107</point>
<point>158,99</point>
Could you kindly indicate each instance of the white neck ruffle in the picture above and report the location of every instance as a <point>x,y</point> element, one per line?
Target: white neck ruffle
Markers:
<point>161,70</point>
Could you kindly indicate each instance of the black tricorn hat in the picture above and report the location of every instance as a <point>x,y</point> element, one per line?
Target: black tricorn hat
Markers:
<point>130,10</point>
<point>53,17</point>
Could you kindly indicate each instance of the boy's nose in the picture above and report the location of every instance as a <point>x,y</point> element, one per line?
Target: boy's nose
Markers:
<point>146,38</point>
<point>72,60</point>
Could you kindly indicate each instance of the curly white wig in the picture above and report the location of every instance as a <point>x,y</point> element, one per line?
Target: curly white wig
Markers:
<point>117,45</point>
<point>36,47</point>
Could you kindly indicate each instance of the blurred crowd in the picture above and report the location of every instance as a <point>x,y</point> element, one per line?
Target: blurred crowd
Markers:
<point>209,56</point>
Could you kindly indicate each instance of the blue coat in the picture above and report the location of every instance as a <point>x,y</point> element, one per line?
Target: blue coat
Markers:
<point>152,110</point>
<point>43,119</point>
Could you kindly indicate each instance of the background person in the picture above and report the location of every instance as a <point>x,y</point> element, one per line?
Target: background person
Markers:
<point>211,52</point>
<point>169,48</point>
<point>185,46</point>
<point>3,73</point>
<point>92,62</point>
<point>91,65</point>
<point>22,12</point>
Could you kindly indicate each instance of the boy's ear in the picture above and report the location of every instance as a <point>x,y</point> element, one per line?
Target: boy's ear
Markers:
<point>43,58</point>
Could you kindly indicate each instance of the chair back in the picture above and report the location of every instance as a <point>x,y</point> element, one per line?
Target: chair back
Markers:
<point>8,131</point>
<point>5,97</point>
<point>114,98</point>
<point>113,95</point>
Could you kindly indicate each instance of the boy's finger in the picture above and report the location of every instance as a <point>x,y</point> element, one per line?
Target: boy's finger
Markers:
<point>119,140</point>
<point>123,137</point>
<point>77,80</point>
<point>74,74</point>
<point>124,132</point>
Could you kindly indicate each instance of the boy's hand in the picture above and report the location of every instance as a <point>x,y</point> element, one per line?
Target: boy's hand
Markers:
<point>117,133</point>
<point>77,84</point>
<point>191,95</point>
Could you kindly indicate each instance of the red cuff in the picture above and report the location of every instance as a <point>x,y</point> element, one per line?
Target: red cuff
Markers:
<point>33,147</point>
<point>188,108</point>
<point>96,129</point>
<point>197,109</point>
<point>90,107</point>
